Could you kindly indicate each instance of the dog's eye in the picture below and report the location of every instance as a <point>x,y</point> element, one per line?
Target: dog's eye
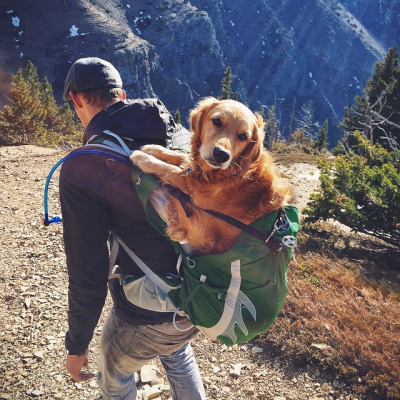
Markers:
<point>217,122</point>
<point>242,137</point>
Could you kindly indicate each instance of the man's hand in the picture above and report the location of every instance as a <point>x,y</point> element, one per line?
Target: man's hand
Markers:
<point>74,365</point>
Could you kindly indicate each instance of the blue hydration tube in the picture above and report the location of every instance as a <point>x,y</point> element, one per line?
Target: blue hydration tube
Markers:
<point>56,219</point>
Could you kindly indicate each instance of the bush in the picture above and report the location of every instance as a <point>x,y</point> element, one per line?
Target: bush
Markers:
<point>361,191</point>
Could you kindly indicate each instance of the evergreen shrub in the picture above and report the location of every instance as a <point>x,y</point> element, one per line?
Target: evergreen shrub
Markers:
<point>31,115</point>
<point>361,191</point>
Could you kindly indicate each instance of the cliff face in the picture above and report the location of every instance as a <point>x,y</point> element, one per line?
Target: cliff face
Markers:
<point>318,50</point>
<point>380,17</point>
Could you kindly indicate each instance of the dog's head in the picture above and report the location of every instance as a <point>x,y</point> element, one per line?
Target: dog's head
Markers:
<point>225,134</point>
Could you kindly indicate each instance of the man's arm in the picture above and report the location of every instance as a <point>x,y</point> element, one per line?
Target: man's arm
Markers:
<point>85,224</point>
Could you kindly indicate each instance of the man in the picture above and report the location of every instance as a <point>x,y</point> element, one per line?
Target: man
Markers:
<point>97,197</point>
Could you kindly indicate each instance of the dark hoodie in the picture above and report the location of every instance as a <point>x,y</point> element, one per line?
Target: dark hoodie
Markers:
<point>97,197</point>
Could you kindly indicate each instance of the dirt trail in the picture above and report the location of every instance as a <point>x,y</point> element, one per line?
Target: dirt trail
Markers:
<point>33,291</point>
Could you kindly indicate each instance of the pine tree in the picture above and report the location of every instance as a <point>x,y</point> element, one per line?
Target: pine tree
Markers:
<point>306,121</point>
<point>272,132</point>
<point>32,116</point>
<point>177,117</point>
<point>70,127</point>
<point>376,113</point>
<point>60,123</point>
<point>261,113</point>
<point>321,142</point>
<point>226,85</point>
<point>51,119</point>
<point>21,117</point>
<point>291,120</point>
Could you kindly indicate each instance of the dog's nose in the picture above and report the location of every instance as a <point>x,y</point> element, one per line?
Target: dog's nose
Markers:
<point>220,155</point>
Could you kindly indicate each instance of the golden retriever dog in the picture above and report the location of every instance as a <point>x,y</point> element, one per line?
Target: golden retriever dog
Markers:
<point>228,171</point>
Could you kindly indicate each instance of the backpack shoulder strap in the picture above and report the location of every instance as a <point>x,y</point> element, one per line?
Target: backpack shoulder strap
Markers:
<point>116,144</point>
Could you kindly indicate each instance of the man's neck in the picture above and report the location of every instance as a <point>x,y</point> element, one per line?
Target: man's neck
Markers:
<point>98,119</point>
<point>89,112</point>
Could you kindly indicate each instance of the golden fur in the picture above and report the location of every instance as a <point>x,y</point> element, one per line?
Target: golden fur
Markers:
<point>228,171</point>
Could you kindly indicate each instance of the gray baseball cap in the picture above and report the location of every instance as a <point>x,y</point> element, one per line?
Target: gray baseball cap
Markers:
<point>91,73</point>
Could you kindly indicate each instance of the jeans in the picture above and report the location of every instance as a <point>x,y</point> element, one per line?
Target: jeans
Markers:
<point>125,348</point>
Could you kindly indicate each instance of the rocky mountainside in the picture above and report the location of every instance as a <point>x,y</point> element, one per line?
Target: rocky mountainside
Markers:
<point>381,17</point>
<point>321,51</point>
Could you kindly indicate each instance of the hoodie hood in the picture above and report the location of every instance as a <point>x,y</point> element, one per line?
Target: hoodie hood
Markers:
<point>143,120</point>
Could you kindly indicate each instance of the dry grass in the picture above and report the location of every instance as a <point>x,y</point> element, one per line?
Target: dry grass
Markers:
<point>351,308</point>
<point>295,157</point>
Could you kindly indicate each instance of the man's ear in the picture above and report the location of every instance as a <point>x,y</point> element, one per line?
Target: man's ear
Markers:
<point>77,100</point>
<point>123,97</point>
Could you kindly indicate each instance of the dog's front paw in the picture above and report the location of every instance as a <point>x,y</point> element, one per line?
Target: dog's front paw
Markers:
<point>138,158</point>
<point>152,149</point>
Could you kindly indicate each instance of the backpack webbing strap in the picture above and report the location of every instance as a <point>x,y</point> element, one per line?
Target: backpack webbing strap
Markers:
<point>274,245</point>
<point>143,266</point>
<point>193,292</point>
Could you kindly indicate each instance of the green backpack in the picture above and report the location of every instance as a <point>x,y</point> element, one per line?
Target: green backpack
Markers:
<point>232,296</point>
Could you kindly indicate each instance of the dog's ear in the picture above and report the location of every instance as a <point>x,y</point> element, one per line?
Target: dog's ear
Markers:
<point>260,123</point>
<point>253,149</point>
<point>197,117</point>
